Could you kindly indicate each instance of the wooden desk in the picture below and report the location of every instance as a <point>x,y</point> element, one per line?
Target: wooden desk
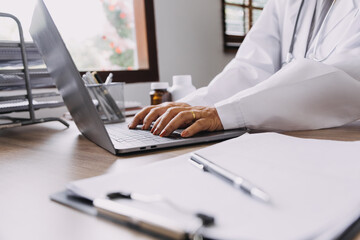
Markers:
<point>39,160</point>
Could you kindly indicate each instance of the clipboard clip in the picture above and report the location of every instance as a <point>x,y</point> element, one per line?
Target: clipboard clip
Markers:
<point>149,221</point>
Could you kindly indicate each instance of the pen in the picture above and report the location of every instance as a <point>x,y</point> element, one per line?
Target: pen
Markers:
<point>88,78</point>
<point>109,78</point>
<point>237,181</point>
<point>97,77</point>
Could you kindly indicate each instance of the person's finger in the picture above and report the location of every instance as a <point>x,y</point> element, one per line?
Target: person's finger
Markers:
<point>184,117</point>
<point>198,126</point>
<point>166,118</point>
<point>157,122</point>
<point>152,116</point>
<point>139,117</point>
<point>155,125</point>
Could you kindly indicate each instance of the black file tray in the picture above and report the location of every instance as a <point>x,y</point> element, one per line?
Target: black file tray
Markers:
<point>14,54</point>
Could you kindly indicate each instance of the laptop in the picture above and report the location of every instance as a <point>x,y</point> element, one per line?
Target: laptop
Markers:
<point>116,138</point>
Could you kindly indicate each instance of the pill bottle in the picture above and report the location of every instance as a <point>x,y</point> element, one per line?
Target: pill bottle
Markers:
<point>182,86</point>
<point>159,93</point>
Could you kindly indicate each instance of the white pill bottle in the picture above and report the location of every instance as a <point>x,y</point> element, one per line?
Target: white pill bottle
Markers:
<point>182,86</point>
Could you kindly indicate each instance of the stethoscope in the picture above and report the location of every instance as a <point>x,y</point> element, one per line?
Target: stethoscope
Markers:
<point>290,56</point>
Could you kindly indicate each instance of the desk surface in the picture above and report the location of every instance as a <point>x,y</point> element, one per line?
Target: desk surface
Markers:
<point>39,160</point>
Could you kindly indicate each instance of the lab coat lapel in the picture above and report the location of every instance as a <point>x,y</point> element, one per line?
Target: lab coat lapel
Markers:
<point>341,10</point>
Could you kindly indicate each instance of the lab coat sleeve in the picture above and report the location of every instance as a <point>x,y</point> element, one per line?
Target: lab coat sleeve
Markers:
<point>256,60</point>
<point>303,95</point>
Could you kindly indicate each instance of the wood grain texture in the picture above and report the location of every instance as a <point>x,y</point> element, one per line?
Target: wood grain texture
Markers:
<point>39,160</point>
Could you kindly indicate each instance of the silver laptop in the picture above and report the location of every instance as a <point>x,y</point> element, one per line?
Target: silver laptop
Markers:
<point>116,138</point>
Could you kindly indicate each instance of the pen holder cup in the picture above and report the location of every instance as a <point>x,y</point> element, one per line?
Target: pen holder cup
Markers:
<point>109,101</point>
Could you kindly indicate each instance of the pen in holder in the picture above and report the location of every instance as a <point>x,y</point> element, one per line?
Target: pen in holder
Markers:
<point>109,101</point>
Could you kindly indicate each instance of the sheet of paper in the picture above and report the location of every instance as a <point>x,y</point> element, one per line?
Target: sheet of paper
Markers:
<point>313,185</point>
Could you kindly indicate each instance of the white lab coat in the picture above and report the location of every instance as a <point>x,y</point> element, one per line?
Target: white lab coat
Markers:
<point>256,91</point>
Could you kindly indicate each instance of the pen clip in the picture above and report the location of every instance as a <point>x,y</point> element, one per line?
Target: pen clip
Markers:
<point>196,164</point>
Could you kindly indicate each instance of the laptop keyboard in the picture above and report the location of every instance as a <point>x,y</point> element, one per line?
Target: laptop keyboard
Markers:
<point>136,137</point>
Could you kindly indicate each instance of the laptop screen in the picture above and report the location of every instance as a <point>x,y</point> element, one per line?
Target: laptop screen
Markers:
<point>67,78</point>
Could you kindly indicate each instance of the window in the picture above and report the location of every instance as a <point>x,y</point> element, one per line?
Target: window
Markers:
<point>238,18</point>
<point>106,36</point>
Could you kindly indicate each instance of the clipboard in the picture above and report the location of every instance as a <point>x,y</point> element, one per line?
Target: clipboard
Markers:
<point>141,221</point>
<point>86,206</point>
<point>163,178</point>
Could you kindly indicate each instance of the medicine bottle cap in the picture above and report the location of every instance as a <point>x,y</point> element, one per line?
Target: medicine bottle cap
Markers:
<point>159,85</point>
<point>182,80</point>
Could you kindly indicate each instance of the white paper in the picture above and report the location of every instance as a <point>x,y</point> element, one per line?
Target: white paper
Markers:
<point>313,185</point>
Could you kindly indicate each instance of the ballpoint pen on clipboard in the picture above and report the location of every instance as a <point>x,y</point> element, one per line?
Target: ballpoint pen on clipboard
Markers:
<point>237,181</point>
<point>159,224</point>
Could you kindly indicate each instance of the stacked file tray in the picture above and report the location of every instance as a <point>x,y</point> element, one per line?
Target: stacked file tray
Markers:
<point>19,103</point>
<point>14,79</point>
<point>21,71</point>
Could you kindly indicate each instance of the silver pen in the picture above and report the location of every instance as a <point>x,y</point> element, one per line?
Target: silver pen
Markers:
<point>237,181</point>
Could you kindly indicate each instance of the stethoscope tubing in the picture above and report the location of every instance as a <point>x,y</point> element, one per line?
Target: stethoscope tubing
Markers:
<point>290,57</point>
